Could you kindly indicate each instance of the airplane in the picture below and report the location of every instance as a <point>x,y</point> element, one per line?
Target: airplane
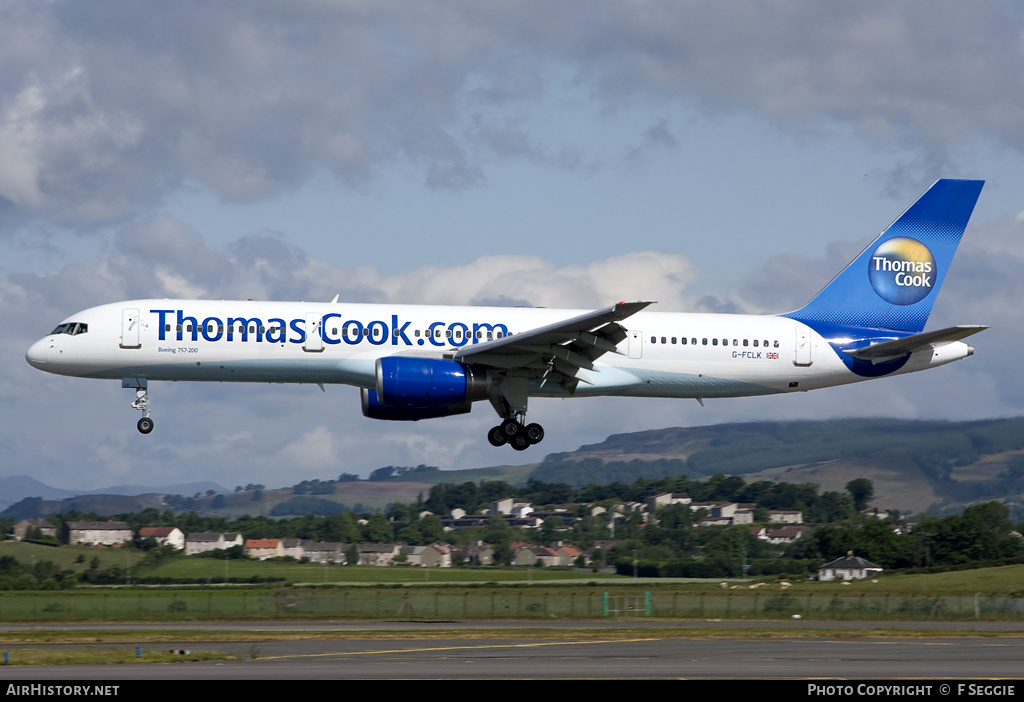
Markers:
<point>414,362</point>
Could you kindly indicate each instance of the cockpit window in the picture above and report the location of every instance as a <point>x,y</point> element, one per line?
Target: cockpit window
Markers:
<point>73,328</point>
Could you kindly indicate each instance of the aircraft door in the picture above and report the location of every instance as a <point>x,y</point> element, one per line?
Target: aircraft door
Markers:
<point>636,344</point>
<point>803,346</point>
<point>130,329</point>
<point>314,333</point>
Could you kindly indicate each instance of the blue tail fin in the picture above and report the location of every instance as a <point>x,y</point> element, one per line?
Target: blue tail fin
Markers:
<point>893,283</point>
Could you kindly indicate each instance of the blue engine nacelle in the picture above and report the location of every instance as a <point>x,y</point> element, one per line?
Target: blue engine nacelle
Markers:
<point>422,388</point>
<point>404,381</point>
<point>373,409</point>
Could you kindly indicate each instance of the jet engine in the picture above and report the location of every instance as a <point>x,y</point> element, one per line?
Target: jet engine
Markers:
<point>423,388</point>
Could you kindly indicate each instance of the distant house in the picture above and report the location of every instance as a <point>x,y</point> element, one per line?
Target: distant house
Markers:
<point>293,547</point>
<point>785,516</point>
<point>785,535</point>
<point>849,567</point>
<point>430,556</point>
<point>97,533</point>
<point>529,554</point>
<point>263,548</point>
<point>568,554</point>
<point>23,529</point>
<point>377,554</point>
<point>165,536</point>
<point>324,551</point>
<point>502,506</point>
<point>668,498</point>
<point>511,507</point>
<point>724,513</point>
<point>211,541</point>
<point>479,553</point>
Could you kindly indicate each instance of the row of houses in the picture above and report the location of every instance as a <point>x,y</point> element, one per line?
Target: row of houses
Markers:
<point>520,513</point>
<point>436,555</point>
<point>516,512</point>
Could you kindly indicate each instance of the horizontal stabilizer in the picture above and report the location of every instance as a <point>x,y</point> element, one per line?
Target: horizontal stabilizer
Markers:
<point>907,345</point>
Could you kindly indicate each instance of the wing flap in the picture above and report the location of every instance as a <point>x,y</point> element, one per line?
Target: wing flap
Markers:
<point>558,352</point>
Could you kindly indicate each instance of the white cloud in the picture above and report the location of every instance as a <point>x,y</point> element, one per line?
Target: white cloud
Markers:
<point>105,110</point>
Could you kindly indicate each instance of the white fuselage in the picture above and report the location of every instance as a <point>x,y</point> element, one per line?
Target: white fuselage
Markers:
<point>664,354</point>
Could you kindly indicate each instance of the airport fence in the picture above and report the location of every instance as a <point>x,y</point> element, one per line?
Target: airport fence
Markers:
<point>426,604</point>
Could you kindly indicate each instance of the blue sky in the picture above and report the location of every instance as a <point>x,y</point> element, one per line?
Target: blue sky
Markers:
<point>711,156</point>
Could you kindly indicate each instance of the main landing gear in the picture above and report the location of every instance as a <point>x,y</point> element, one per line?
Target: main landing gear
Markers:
<point>141,403</point>
<point>510,404</point>
<point>512,432</point>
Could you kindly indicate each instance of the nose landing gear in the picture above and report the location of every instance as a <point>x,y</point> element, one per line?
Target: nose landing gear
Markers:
<point>141,403</point>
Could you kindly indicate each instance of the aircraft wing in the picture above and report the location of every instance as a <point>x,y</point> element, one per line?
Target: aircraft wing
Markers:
<point>901,347</point>
<point>558,352</point>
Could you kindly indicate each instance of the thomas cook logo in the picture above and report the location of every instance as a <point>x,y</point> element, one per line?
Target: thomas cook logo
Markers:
<point>902,270</point>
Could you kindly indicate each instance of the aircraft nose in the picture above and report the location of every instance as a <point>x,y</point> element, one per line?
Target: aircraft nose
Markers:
<point>36,354</point>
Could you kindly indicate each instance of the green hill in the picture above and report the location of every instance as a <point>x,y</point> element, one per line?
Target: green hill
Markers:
<point>914,465</point>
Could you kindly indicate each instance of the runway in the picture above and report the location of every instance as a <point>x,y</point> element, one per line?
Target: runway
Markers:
<point>652,654</point>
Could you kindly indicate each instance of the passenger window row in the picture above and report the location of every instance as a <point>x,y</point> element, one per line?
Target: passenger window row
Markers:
<point>348,331</point>
<point>684,341</point>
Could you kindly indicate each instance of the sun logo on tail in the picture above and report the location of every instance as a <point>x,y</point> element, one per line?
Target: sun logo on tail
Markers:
<point>902,270</point>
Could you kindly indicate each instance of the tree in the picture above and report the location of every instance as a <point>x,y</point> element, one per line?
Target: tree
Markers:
<point>861,490</point>
<point>378,530</point>
<point>432,528</point>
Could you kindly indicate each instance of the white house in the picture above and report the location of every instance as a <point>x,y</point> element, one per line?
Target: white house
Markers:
<point>98,533</point>
<point>849,567</point>
<point>165,536</point>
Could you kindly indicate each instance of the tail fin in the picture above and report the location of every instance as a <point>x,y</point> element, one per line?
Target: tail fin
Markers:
<point>893,283</point>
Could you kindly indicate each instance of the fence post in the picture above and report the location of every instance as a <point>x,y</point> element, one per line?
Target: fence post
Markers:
<point>606,604</point>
